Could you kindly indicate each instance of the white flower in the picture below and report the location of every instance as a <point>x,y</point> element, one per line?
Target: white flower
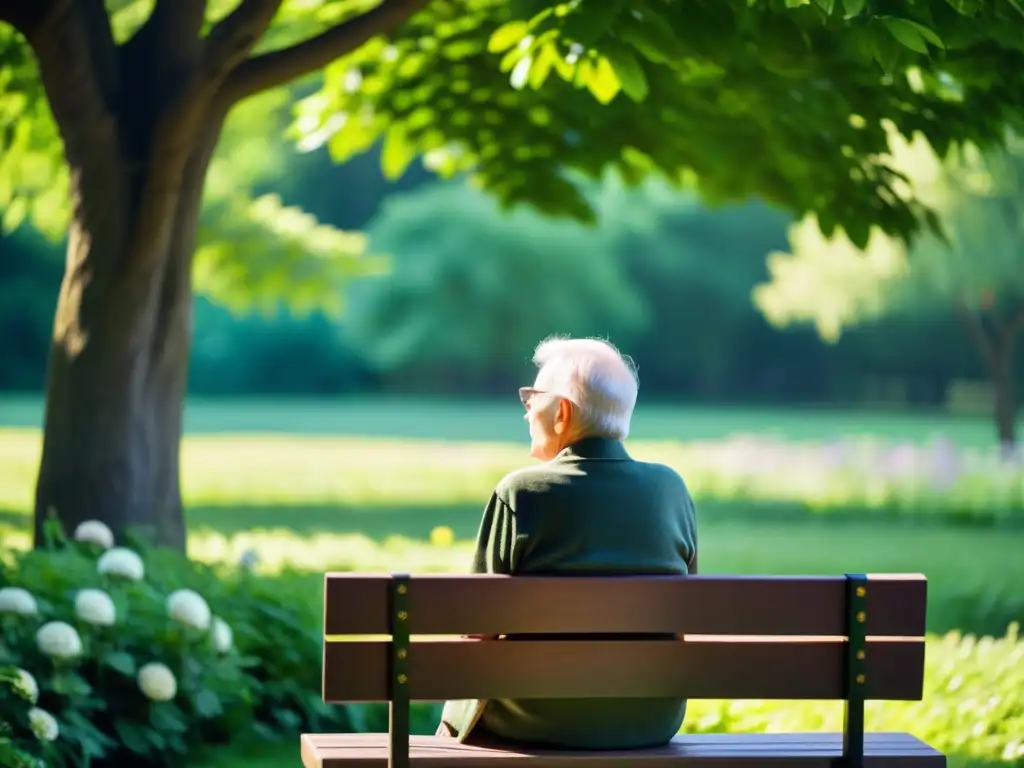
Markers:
<point>123,562</point>
<point>189,607</point>
<point>59,640</point>
<point>94,606</point>
<point>17,600</point>
<point>156,681</point>
<point>27,686</point>
<point>223,637</point>
<point>44,725</point>
<point>95,532</point>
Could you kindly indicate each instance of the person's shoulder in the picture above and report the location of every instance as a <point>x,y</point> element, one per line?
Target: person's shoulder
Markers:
<point>535,479</point>
<point>663,474</point>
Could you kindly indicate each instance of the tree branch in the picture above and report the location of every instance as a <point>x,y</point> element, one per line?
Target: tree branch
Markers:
<point>77,60</point>
<point>276,68</point>
<point>234,36</point>
<point>25,15</point>
<point>103,49</point>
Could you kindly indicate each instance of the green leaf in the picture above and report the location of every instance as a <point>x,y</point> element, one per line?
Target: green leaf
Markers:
<point>910,34</point>
<point>133,736</point>
<point>166,718</point>
<point>797,3</point>
<point>207,704</point>
<point>628,71</point>
<point>853,8</point>
<point>14,214</point>
<point>929,35</point>
<point>602,82</point>
<point>120,661</point>
<point>397,153</point>
<point>826,5</point>
<point>507,36</point>
<point>859,233</point>
<point>651,36</point>
<point>541,66</point>
<point>71,684</point>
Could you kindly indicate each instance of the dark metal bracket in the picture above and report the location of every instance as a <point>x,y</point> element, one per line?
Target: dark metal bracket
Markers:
<point>855,669</point>
<point>398,672</point>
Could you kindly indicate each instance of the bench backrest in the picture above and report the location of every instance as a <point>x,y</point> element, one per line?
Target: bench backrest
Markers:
<point>747,637</point>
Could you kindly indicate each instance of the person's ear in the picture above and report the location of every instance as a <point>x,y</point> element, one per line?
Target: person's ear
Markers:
<point>562,417</point>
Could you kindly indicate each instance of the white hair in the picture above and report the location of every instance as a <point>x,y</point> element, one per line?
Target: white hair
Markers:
<point>596,377</point>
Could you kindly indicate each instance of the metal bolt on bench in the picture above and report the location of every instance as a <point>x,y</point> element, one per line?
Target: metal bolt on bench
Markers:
<point>856,668</point>
<point>398,694</point>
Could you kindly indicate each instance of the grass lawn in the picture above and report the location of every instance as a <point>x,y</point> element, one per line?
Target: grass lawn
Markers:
<point>500,420</point>
<point>319,500</point>
<point>362,484</point>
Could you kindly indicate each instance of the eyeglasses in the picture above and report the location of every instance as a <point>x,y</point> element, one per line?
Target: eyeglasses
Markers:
<point>526,393</point>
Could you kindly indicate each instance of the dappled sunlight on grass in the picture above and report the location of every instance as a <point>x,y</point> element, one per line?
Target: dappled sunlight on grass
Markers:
<point>291,470</point>
<point>281,548</point>
<point>983,593</point>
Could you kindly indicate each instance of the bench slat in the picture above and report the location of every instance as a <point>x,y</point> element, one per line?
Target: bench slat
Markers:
<point>810,750</point>
<point>356,604</point>
<point>699,668</point>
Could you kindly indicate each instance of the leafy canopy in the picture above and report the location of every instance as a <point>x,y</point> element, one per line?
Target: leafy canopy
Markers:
<point>783,99</point>
<point>977,265</point>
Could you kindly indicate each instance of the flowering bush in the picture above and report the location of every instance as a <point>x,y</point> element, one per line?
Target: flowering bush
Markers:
<point>114,655</point>
<point>935,480</point>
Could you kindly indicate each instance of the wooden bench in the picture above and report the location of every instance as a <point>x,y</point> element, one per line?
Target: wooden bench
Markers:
<point>851,638</point>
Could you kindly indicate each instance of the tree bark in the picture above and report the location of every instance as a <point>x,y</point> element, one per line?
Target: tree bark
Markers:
<point>138,152</point>
<point>1005,395</point>
<point>997,349</point>
<point>119,359</point>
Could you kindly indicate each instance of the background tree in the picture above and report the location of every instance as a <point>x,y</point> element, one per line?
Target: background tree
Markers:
<point>753,98</point>
<point>473,290</point>
<point>976,270</point>
<point>694,267</point>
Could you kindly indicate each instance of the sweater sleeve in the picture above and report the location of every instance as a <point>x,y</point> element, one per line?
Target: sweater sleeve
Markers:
<point>496,540</point>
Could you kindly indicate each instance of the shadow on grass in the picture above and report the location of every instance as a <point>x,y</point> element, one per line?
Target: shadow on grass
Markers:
<point>381,521</point>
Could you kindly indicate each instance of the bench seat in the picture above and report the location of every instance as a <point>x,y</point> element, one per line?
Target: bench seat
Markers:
<point>772,750</point>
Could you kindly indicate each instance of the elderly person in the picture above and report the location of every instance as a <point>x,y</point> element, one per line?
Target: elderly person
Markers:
<point>587,509</point>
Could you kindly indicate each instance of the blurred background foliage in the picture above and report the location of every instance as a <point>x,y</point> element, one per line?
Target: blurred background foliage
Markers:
<point>459,282</point>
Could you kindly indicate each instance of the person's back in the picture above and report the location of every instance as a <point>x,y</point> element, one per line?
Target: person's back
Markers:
<point>589,510</point>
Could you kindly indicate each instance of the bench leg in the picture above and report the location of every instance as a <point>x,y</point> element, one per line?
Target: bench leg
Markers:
<point>398,681</point>
<point>855,669</point>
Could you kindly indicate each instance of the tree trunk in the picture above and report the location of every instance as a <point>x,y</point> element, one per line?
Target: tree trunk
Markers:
<point>997,350</point>
<point>1005,401</point>
<point>139,121</point>
<point>119,358</point>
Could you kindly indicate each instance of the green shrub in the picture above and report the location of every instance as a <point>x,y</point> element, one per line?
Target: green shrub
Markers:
<point>141,655</point>
<point>973,704</point>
